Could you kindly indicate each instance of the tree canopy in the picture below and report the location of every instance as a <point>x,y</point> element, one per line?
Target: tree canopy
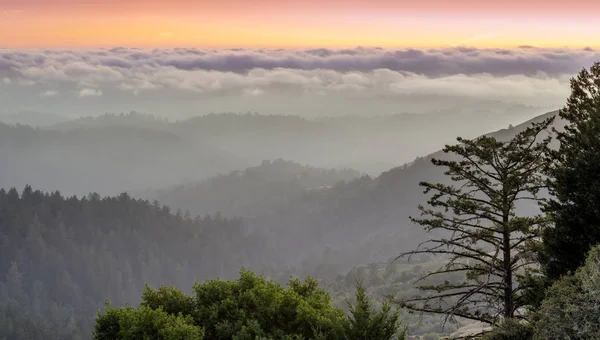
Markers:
<point>61,257</point>
<point>571,309</point>
<point>250,307</point>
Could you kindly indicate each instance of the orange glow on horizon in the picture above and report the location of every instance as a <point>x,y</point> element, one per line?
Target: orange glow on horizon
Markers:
<point>296,24</point>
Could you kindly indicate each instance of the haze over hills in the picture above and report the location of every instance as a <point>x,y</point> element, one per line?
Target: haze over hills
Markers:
<point>256,190</point>
<point>104,160</point>
<point>295,220</point>
<point>352,222</point>
<point>33,118</point>
<point>134,152</point>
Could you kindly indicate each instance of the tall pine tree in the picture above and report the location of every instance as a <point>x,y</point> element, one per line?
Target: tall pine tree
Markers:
<point>480,233</point>
<point>575,179</point>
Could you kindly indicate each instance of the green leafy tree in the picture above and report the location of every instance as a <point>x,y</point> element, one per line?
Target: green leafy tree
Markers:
<point>253,306</point>
<point>575,180</point>
<point>168,298</point>
<point>571,309</point>
<point>480,233</point>
<point>248,308</point>
<point>144,323</point>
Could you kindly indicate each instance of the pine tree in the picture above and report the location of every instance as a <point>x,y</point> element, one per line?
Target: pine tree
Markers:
<point>575,180</point>
<point>481,235</point>
<point>364,323</point>
<point>14,281</point>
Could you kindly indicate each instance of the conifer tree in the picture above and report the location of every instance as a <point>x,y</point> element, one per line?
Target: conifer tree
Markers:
<point>480,234</point>
<point>575,180</point>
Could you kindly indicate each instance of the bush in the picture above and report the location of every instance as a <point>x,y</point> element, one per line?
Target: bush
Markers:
<point>144,323</point>
<point>571,309</point>
<point>249,308</point>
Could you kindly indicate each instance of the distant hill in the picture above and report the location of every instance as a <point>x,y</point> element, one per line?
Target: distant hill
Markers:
<point>344,223</point>
<point>106,159</point>
<point>33,118</point>
<point>355,221</point>
<point>131,119</point>
<point>368,144</point>
<point>361,221</point>
<point>64,255</point>
<point>252,191</point>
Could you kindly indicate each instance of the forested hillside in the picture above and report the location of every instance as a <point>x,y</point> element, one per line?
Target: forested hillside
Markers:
<point>254,191</point>
<point>135,152</point>
<point>63,256</point>
<point>322,232</point>
<point>361,221</point>
<point>304,221</point>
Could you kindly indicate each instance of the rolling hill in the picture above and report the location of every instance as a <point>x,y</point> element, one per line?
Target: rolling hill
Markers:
<point>112,153</point>
<point>251,192</point>
<point>356,222</point>
<point>321,229</point>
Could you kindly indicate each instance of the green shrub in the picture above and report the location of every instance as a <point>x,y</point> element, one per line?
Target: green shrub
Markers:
<point>249,308</point>
<point>571,309</point>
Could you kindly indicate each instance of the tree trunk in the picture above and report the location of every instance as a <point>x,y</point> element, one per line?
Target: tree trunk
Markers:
<point>508,284</point>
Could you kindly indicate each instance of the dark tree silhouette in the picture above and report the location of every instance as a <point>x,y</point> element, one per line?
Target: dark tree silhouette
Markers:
<point>482,236</point>
<point>575,180</point>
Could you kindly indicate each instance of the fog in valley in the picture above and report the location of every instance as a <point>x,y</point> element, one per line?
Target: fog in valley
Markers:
<point>169,166</point>
<point>191,114</point>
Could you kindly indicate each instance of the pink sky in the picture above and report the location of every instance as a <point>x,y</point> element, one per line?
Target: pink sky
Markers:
<point>298,23</point>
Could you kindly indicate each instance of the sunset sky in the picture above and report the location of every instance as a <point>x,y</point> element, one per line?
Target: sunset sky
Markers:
<point>298,23</point>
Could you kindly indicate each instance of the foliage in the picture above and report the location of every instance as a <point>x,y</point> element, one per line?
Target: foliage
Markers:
<point>60,258</point>
<point>364,323</point>
<point>571,309</point>
<point>575,180</point>
<point>253,307</point>
<point>391,278</point>
<point>129,323</point>
<point>17,323</point>
<point>481,233</point>
<point>250,307</point>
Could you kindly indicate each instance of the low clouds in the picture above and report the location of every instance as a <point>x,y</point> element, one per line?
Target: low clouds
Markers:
<point>49,93</point>
<point>526,60</point>
<point>524,75</point>
<point>89,93</point>
<point>253,92</point>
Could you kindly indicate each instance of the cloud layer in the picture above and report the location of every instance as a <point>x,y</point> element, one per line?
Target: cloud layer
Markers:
<point>525,60</point>
<point>523,75</point>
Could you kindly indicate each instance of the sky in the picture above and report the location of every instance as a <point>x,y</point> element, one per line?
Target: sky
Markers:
<point>506,60</point>
<point>298,23</point>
